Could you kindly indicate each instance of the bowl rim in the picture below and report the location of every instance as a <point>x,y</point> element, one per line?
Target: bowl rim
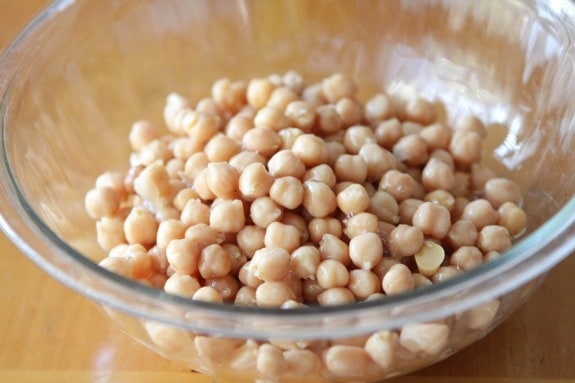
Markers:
<point>529,258</point>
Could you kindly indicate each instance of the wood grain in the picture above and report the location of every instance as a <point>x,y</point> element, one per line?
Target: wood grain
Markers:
<point>51,334</point>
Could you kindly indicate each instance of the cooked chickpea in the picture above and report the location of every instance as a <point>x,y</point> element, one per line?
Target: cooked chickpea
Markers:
<point>466,258</point>
<point>446,272</point>
<point>259,91</point>
<point>349,111</point>
<point>283,236</point>
<point>168,230</point>
<point>388,133</point>
<point>285,163</point>
<point>351,168</point>
<point>366,250</point>
<point>465,147</point>
<point>201,126</point>
<point>405,240</point>
<point>400,185</point>
<point>271,118</point>
<point>410,127</point>
<point>300,114</point>
<point>254,181</point>
<point>353,199</point>
<point>250,238</point>
<point>384,206</point>
<point>228,216</point>
<point>102,202</point>
<point>317,227</point>
<point>420,110</point>
<point>334,150</point>
<point>113,180</point>
<point>281,97</point>
<point>142,133</point>
<point>398,279</point>
<point>479,176</point>
<point>331,273</point>
<point>318,199</point>
<point>377,159</point>
<point>357,136</point>
<point>141,227</point>
<point>378,108</point>
<point>501,190</point>
<point>270,361</point>
<point>444,156</point>
<point>155,151</point>
<point>204,235</point>
<point>441,197</point>
<point>304,261</point>
<point>264,141</point>
<point>313,94</point>
<point>195,164</point>
<point>424,338</point>
<point>360,223</point>
<point>110,233</point>
<point>237,126</point>
<point>335,296</point>
<point>437,175</point>
<point>270,264</point>
<point>226,286</point>
<point>462,233</point>
<point>273,294</point>
<point>328,120</point>
<point>214,262</point>
<point>321,173</point>
<point>338,86</point>
<point>264,211</point>
<point>183,255</point>
<point>288,137</point>
<point>493,238</point>
<point>207,294</point>
<point>182,285</point>
<point>480,212</point>
<point>246,295</point>
<point>407,209</point>
<point>287,192</point>
<point>437,136</point>
<point>331,247</point>
<point>201,186</point>
<point>432,219</point>
<point>411,149</point>
<point>294,81</point>
<point>470,123</point>
<point>310,149</point>
<point>512,217</point>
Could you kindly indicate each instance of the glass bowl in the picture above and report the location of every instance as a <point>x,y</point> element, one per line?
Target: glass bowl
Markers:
<point>82,72</point>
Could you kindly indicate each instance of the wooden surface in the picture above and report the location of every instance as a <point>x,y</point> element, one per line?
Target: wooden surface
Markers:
<point>50,334</point>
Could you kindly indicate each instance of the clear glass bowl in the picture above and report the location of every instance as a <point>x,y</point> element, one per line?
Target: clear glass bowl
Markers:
<point>82,72</point>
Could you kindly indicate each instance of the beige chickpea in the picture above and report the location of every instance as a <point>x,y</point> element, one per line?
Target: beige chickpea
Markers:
<point>208,105</point>
<point>366,250</point>
<point>444,156</point>
<point>221,148</point>
<point>313,94</point>
<point>201,186</point>
<point>437,136</point>
<point>264,141</point>
<point>317,227</point>
<point>113,180</point>
<point>363,283</point>
<point>101,202</point>
<point>168,230</point>
<point>466,258</point>
<point>194,212</point>
<point>182,285</point>
<point>350,362</point>
<point>321,173</point>
<point>441,197</point>
<point>294,81</point>
<point>246,296</point>
<point>301,363</point>
<point>288,137</point>
<point>141,227</point>
<point>310,149</point>
<point>201,125</point>
<point>247,277</point>
<point>110,232</point>
<point>351,168</point>
<point>410,127</point>
<point>175,167</point>
<point>512,217</point>
<point>482,316</point>
<point>301,114</point>
<point>437,175</point>
<point>311,290</point>
<point>332,247</point>
<point>446,272</point>
<point>331,273</point>
<point>465,147</point>
<point>259,91</point>
<point>287,192</point>
<point>501,190</point>
<point>470,123</point>
<point>183,196</point>
<point>360,223</point>
<point>271,118</point>
<point>411,149</point>
<point>237,126</point>
<point>304,261</point>
<point>207,294</point>
<point>281,97</point>
<point>335,296</point>
<point>384,206</point>
<point>334,150</point>
<point>420,110</point>
<point>195,164</point>
<point>378,108</point>
<point>250,238</point>
<point>479,176</point>
<point>388,133</point>
<point>270,264</point>
<point>244,158</point>
<point>383,348</point>
<point>433,220</point>
<point>283,236</point>
<point>176,105</point>
<point>226,286</point>
<point>462,233</point>
<point>185,147</point>
<point>299,223</point>
<point>349,111</point>
<point>407,209</point>
<point>255,181</point>
<point>285,163</point>
<point>480,212</point>
<point>157,150</point>
<point>356,136</point>
<point>167,338</point>
<point>270,361</point>
<point>273,294</point>
<point>377,159</point>
<point>183,255</point>
<point>353,199</point>
<point>384,266</point>
<point>214,262</point>
<point>400,185</point>
<point>493,238</point>
<point>237,257</point>
<point>458,207</point>
<point>424,338</point>
<point>328,121</point>
<point>228,216</point>
<point>204,235</point>
<point>318,199</point>
<point>142,133</point>
<point>405,240</point>
<point>397,280</point>
<point>421,281</point>
<point>338,86</point>
<point>264,211</point>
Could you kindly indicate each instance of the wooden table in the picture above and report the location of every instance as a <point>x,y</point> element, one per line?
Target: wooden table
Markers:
<point>50,334</point>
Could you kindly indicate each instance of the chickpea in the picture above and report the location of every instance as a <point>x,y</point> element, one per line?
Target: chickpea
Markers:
<point>155,151</point>
<point>294,81</point>
<point>388,133</point>
<point>246,295</point>
<point>237,126</point>
<point>264,211</point>
<point>335,296</point>
<point>360,223</point>
<point>270,264</point>
<point>259,91</point>
<point>317,227</point>
<point>270,361</point>
<point>273,294</point>
<point>247,277</point>
<point>338,86</point>
<point>334,150</point>
<point>437,136</point>
<point>228,216</point>
<point>182,285</point>
<point>465,147</point>
<point>424,338</point>
<point>421,111</point>
<point>283,236</point>
<point>377,159</point>
<point>304,261</point>
<point>281,97</point>
<point>480,212</point>
<point>350,168</point>
<point>512,217</point>
<point>114,181</point>
<point>410,127</point>
<point>285,163</point>
<point>331,247</point>
<point>270,118</point>
<point>201,186</point>
<point>432,219</point>
<point>251,238</point>
<point>400,185</point>
<point>501,190</point>
<point>353,199</point>
<point>441,197</point>
<point>264,141</point>
<point>142,133</point>
<point>328,120</point>
<point>288,137</point>
<point>366,250</point>
<point>357,136</point>
<point>466,258</point>
<point>479,176</point>
<point>110,233</point>
<point>349,111</point>
<point>470,123</point>
<point>444,156</point>
<point>301,114</point>
<point>405,240</point>
<point>493,238</point>
<point>321,173</point>
<point>446,272</point>
<point>310,149</point>
<point>226,286</point>
<point>437,175</point>
<point>140,227</point>
<point>301,362</point>
<point>169,230</point>
<point>348,362</point>
<point>384,206</point>
<point>411,149</point>
<point>204,235</point>
<point>201,126</point>
<point>331,273</point>
<point>318,199</point>
<point>407,209</point>
<point>208,105</point>
<point>207,294</point>
<point>378,108</point>
<point>255,181</point>
<point>383,348</point>
<point>183,255</point>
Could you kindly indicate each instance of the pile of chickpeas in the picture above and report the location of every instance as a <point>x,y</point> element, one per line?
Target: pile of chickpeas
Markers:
<point>277,193</point>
